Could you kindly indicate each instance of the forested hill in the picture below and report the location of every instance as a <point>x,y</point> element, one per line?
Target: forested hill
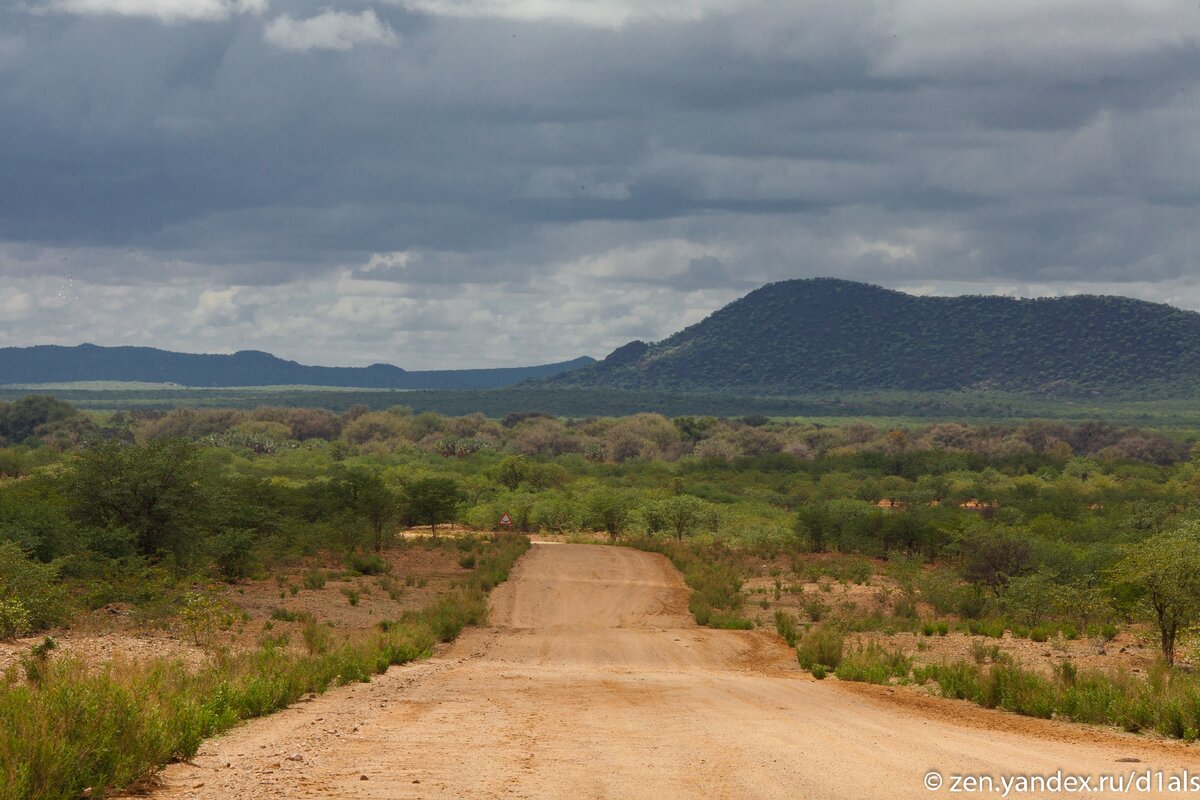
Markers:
<point>53,364</point>
<point>825,334</point>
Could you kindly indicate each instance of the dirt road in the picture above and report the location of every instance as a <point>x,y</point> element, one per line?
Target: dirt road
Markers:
<point>593,682</point>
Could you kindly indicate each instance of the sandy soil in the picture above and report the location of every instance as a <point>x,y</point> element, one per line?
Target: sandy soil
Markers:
<point>594,683</point>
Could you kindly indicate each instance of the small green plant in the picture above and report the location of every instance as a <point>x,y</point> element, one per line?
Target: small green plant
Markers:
<point>872,663</point>
<point>36,662</point>
<point>821,644</point>
<point>815,608</point>
<point>467,561</point>
<point>317,638</point>
<point>314,579</point>
<point>367,564</point>
<point>14,618</point>
<point>352,595</point>
<point>287,615</point>
<point>785,626</point>
<point>388,584</point>
<point>203,615</point>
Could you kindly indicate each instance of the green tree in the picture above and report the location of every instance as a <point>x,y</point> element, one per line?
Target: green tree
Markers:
<point>157,494</point>
<point>993,557</point>
<point>610,509</point>
<point>681,515</point>
<point>511,472</point>
<point>377,503</point>
<point>431,501</point>
<point>1161,575</point>
<point>22,419</point>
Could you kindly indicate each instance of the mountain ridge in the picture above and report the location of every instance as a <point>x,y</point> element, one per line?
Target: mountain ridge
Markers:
<point>828,334</point>
<point>89,362</point>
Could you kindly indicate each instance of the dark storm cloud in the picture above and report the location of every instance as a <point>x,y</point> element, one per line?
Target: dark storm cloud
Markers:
<point>563,149</point>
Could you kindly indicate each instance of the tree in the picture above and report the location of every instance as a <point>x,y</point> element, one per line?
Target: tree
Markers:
<point>610,509</point>
<point>21,419</point>
<point>156,493</point>
<point>993,557</point>
<point>681,514</point>
<point>432,501</point>
<point>1161,574</point>
<point>511,471</point>
<point>815,523</point>
<point>377,503</point>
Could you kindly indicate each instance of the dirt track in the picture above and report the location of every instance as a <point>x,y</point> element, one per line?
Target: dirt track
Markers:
<point>593,682</point>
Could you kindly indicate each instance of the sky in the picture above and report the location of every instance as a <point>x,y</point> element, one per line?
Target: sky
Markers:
<point>443,184</point>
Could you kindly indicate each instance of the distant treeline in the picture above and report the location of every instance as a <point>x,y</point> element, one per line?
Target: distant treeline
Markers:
<point>966,405</point>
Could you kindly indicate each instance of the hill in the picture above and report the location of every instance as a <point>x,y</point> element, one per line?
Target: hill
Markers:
<point>824,334</point>
<point>44,364</point>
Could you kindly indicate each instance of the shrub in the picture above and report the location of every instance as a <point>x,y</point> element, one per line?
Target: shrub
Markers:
<point>235,554</point>
<point>815,608</point>
<point>314,579</point>
<point>959,680</point>
<point>352,595</point>
<point>785,626</point>
<point>872,663</point>
<point>14,618</point>
<point>820,645</point>
<point>316,637</point>
<point>31,586</point>
<point>203,615</point>
<point>367,564</point>
<point>287,615</point>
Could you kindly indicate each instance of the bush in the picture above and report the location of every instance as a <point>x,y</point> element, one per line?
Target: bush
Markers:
<point>785,626</point>
<point>14,618</point>
<point>286,615</point>
<point>235,554</point>
<point>449,615</point>
<point>872,663</point>
<point>30,590</point>
<point>314,579</point>
<point>820,645</point>
<point>367,564</point>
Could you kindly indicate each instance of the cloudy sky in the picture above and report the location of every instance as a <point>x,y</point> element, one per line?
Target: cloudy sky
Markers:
<point>455,183</point>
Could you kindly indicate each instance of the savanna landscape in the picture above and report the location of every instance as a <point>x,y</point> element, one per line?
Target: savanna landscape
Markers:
<point>599,399</point>
<point>166,575</point>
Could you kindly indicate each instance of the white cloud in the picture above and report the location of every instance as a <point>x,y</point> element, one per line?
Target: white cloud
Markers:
<point>1029,37</point>
<point>330,30</point>
<point>598,13</point>
<point>15,304</point>
<point>165,10</point>
<point>215,306</point>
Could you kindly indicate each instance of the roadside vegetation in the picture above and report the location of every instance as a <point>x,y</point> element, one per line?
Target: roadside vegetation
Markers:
<point>1043,568</point>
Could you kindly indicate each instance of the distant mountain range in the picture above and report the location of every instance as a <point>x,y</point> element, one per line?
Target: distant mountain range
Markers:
<point>785,339</point>
<point>43,364</point>
<point>824,334</point>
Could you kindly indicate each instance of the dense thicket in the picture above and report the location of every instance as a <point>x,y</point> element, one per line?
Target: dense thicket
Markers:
<point>141,497</point>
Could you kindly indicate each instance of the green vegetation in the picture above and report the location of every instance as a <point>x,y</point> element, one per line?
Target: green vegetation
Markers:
<point>825,334</point>
<point>1041,530</point>
<point>74,727</point>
